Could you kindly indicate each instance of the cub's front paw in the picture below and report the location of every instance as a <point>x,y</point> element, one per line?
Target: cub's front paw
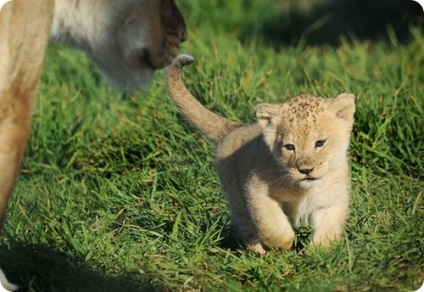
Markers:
<point>281,241</point>
<point>325,237</point>
<point>257,248</point>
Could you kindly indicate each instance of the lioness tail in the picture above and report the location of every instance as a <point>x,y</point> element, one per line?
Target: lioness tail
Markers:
<point>212,125</point>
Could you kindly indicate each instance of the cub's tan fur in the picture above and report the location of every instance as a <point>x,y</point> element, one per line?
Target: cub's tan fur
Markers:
<point>127,39</point>
<point>289,168</point>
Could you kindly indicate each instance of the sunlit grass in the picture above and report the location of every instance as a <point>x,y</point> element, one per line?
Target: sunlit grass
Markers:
<point>118,193</point>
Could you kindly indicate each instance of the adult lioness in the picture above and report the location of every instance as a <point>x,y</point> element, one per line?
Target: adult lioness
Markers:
<point>127,39</point>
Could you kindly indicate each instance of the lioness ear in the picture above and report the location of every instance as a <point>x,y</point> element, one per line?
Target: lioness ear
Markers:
<point>343,106</point>
<point>265,112</point>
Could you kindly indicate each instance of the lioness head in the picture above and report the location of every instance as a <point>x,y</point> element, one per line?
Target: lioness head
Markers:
<point>127,39</point>
<point>308,135</point>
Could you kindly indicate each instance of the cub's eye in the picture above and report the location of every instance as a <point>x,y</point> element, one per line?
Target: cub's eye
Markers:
<point>289,147</point>
<point>319,143</point>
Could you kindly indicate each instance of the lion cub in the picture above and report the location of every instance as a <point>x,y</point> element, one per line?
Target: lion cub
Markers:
<point>289,168</point>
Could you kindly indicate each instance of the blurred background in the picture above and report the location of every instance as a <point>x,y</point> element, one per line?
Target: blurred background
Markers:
<point>288,22</point>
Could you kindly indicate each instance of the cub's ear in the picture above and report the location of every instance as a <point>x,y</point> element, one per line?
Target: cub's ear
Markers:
<point>265,112</point>
<point>343,106</point>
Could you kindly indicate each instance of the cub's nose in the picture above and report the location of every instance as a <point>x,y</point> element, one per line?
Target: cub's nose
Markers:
<point>305,170</point>
<point>305,166</point>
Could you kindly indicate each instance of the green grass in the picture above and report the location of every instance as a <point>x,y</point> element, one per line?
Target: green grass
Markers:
<point>117,193</point>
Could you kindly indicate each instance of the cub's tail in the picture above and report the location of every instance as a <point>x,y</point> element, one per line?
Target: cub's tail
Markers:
<point>213,126</point>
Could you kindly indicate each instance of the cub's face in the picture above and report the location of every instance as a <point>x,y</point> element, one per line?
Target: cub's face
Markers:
<point>308,135</point>
<point>140,36</point>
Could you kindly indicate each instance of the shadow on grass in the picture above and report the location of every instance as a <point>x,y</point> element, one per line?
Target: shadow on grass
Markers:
<point>39,268</point>
<point>328,22</point>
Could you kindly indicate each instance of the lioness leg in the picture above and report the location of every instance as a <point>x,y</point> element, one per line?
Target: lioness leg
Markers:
<point>15,123</point>
<point>24,38</point>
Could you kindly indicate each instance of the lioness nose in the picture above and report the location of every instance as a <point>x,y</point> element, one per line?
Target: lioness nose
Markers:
<point>183,36</point>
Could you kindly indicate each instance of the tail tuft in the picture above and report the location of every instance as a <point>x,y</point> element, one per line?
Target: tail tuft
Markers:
<point>182,60</point>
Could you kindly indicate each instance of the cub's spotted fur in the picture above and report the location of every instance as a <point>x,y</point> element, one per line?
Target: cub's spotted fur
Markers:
<point>289,168</point>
